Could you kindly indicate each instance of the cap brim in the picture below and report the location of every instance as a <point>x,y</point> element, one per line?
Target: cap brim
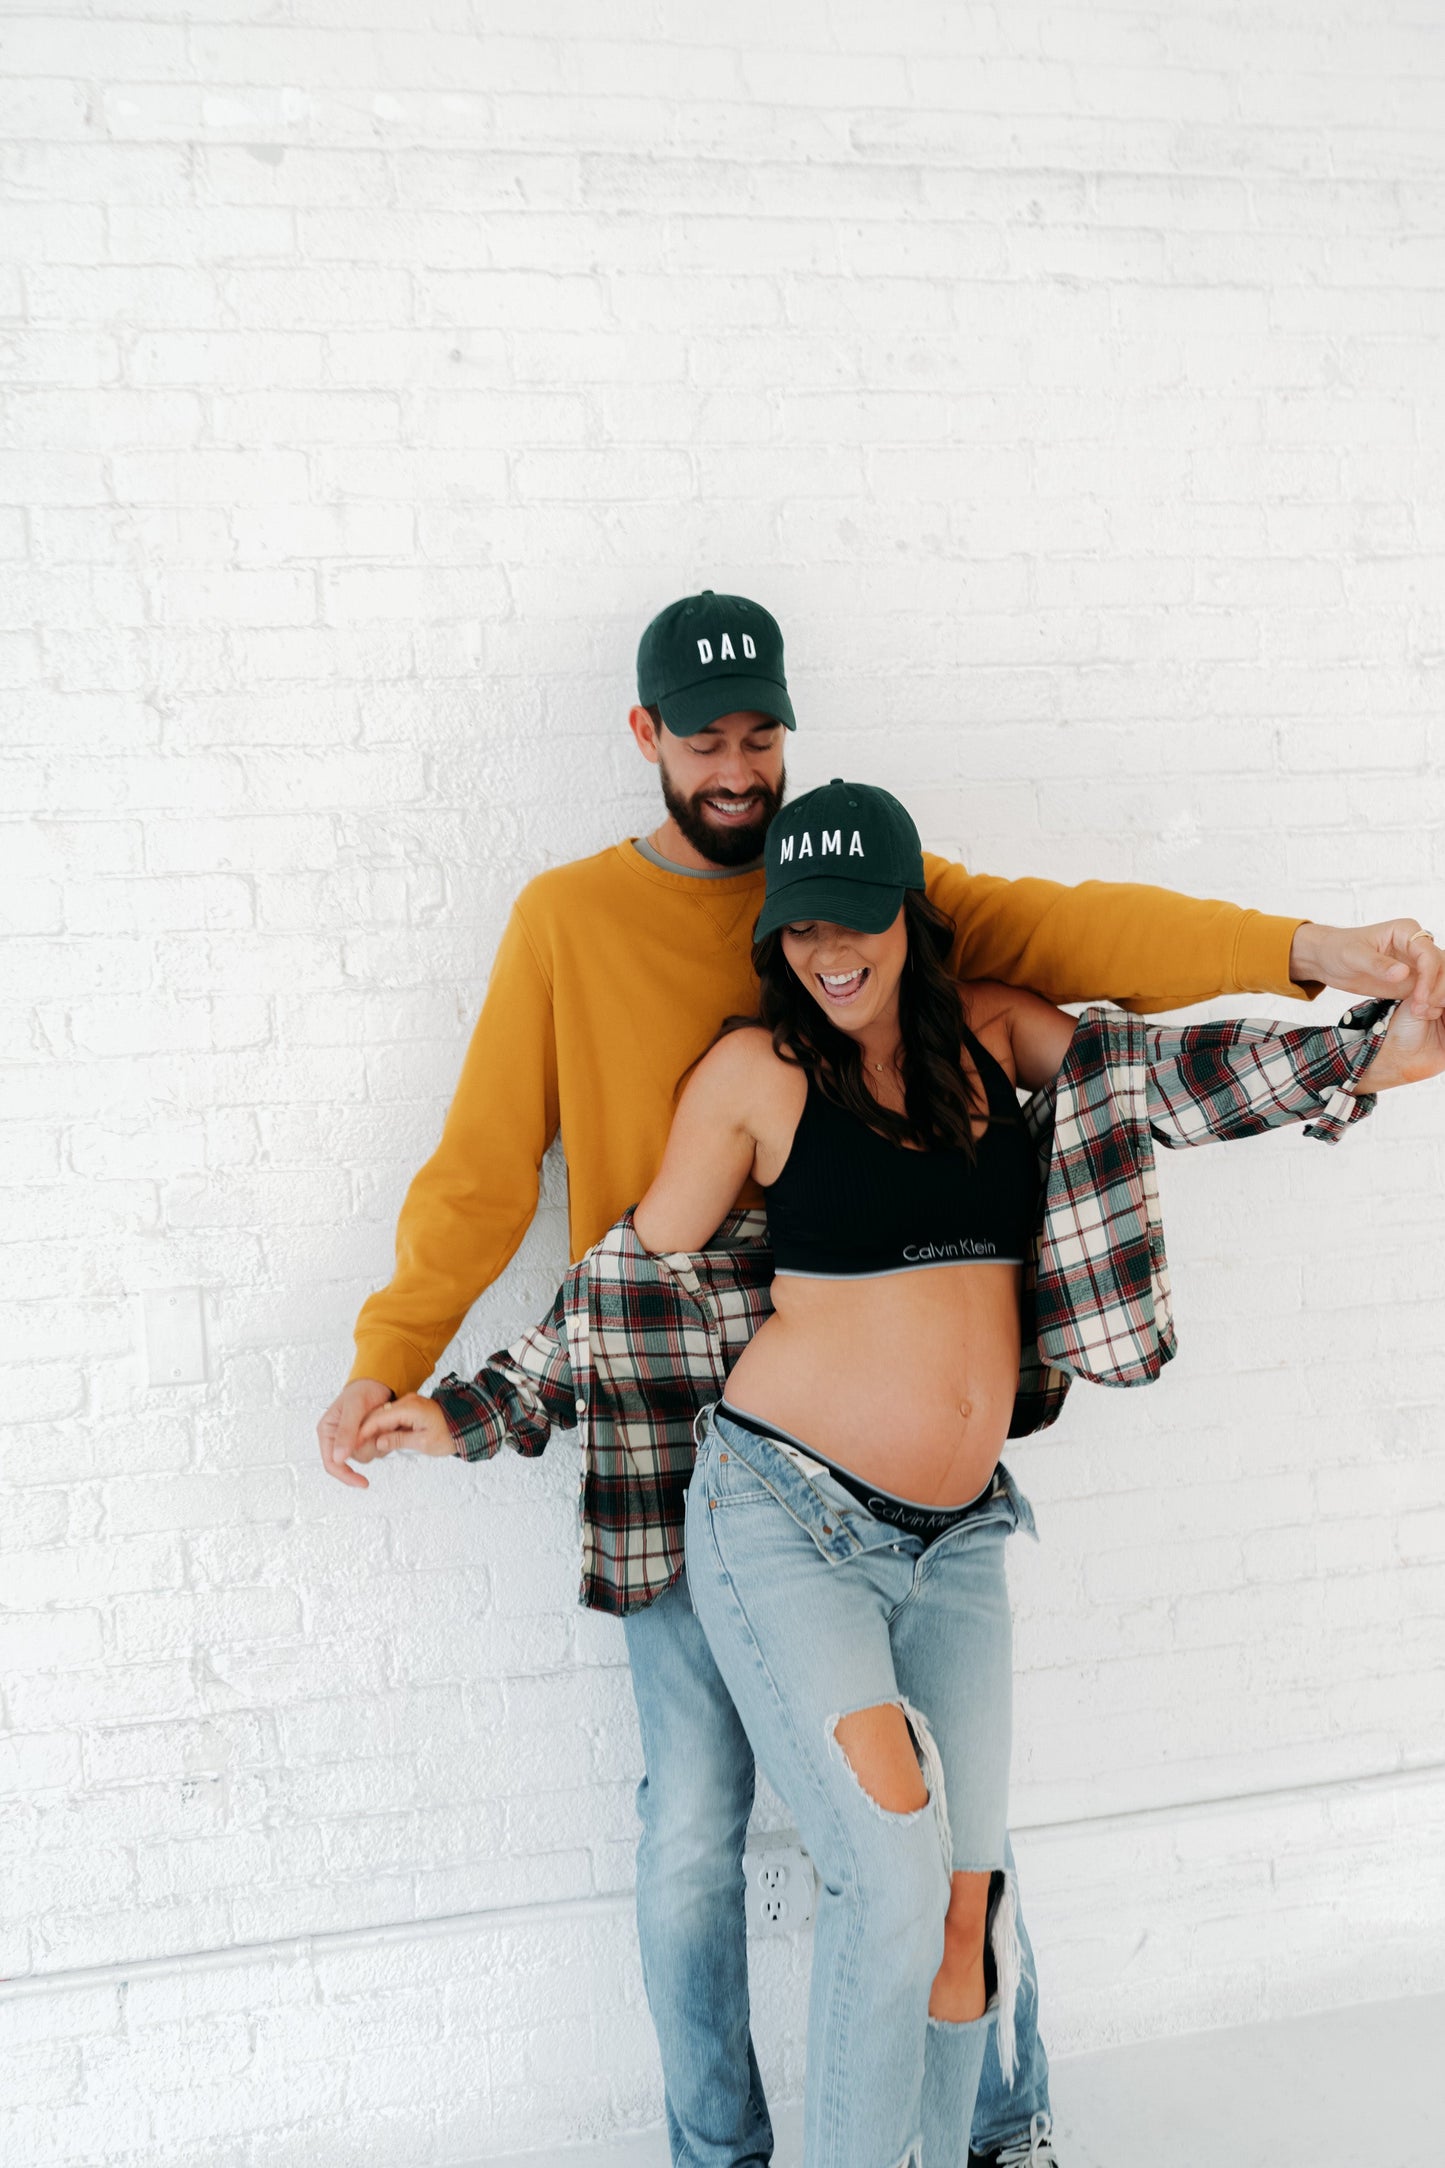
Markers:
<point>691,710</point>
<point>864,906</point>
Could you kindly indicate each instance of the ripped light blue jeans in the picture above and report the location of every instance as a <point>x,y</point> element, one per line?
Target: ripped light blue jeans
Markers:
<point>814,1609</point>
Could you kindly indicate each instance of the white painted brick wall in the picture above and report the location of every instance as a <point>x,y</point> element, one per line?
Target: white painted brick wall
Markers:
<point>1068,381</point>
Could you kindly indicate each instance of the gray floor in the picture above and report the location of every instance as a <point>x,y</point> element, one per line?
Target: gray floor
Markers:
<point>1351,2089</point>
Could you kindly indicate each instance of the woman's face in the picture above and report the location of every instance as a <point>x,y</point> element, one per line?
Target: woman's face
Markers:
<point>853,977</point>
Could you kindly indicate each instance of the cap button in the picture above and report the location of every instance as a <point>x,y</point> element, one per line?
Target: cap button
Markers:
<point>834,779</point>
<point>707,591</point>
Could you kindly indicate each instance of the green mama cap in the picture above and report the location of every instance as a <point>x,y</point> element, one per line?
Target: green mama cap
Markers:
<point>845,853</point>
<point>712,655</point>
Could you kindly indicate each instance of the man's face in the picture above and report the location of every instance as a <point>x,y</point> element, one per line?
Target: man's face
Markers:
<point>723,785</point>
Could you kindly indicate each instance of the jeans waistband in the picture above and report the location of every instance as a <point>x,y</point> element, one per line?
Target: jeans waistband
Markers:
<point>907,1514</point>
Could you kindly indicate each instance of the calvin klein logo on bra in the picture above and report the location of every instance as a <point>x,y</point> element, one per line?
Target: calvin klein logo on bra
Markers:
<point>934,1253</point>
<point>726,651</point>
<point>830,842</point>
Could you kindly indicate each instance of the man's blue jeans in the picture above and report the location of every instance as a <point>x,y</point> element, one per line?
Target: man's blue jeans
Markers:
<point>694,1802</point>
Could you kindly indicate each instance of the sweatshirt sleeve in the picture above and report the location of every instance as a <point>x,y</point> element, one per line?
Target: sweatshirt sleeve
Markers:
<point>1140,947</point>
<point>467,1210</point>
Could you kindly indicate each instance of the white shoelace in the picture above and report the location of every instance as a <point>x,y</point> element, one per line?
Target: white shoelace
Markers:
<point>1034,2150</point>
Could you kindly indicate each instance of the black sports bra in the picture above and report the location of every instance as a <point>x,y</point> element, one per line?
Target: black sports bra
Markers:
<point>849,1204</point>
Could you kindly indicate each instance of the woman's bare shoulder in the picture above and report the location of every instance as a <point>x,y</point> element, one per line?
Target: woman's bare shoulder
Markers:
<point>742,1061</point>
<point>1035,1031</point>
<point>983,1000</point>
<point>994,1001</point>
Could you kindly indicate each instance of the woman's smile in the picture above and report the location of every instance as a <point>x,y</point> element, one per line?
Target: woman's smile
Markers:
<point>841,987</point>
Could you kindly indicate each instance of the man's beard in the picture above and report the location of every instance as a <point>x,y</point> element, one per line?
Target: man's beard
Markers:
<point>730,846</point>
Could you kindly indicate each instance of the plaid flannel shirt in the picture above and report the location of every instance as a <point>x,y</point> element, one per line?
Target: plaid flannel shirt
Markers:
<point>635,1344</point>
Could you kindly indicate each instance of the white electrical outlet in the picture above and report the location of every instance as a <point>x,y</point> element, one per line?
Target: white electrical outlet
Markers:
<point>780,1888</point>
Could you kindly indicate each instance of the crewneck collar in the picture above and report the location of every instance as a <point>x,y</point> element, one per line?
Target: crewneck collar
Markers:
<point>652,866</point>
<point>655,857</point>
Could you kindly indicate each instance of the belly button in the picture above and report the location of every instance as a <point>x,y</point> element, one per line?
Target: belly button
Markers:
<point>965,1409</point>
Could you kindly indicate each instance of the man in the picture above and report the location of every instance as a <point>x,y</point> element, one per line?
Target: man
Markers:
<point>612,975</point>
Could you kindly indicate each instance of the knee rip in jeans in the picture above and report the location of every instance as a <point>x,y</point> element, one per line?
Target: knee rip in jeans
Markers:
<point>1004,1950</point>
<point>930,1769</point>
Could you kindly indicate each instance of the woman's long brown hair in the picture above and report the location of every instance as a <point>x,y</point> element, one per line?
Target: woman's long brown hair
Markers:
<point>939,1099</point>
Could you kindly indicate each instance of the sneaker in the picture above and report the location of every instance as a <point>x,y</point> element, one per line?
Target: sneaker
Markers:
<point>1033,2149</point>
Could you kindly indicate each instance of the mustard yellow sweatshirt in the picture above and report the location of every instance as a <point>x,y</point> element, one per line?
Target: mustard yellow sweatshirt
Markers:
<point>613,974</point>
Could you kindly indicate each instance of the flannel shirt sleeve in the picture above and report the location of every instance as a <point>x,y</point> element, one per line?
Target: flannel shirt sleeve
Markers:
<point>517,1396</point>
<point>1217,1082</point>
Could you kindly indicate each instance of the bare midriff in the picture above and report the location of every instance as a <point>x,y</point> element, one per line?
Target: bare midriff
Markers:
<point>906,1380</point>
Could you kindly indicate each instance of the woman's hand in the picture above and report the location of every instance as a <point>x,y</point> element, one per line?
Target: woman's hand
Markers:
<point>1412,1050</point>
<point>413,1423</point>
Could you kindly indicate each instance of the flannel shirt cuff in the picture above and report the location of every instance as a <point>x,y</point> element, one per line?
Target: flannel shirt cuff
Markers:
<point>476,1418</point>
<point>1352,1046</point>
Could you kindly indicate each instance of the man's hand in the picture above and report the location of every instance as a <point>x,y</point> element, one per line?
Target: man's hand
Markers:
<point>1377,961</point>
<point>413,1421</point>
<point>337,1430</point>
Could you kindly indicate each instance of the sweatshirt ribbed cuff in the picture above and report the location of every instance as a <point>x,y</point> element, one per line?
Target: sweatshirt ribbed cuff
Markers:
<point>1261,958</point>
<point>392,1362</point>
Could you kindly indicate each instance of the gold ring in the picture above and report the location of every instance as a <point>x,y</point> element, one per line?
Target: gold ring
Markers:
<point>1420,936</point>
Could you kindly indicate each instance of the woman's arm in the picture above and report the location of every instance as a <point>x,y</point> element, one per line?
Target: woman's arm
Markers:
<point>1211,1083</point>
<point>1038,1033</point>
<point>1411,1051</point>
<point>710,1147</point>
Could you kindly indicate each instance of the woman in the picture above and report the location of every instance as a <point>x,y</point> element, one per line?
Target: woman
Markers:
<point>848,1512</point>
<point>873,1675</point>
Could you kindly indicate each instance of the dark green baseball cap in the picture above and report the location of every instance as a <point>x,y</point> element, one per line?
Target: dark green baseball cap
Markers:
<point>845,853</point>
<point>711,655</point>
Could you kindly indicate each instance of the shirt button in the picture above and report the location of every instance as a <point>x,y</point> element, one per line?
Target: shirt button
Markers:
<point>722,1456</point>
